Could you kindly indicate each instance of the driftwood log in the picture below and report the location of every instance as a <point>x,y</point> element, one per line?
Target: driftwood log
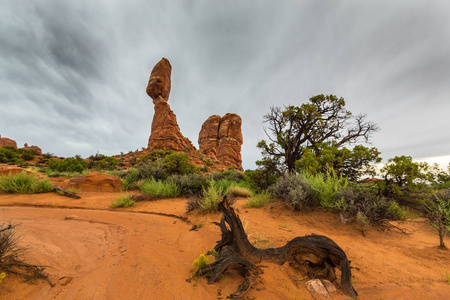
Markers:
<point>66,193</point>
<point>316,256</point>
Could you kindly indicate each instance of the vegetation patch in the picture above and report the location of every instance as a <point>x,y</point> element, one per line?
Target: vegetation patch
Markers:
<point>160,189</point>
<point>258,200</point>
<point>122,201</point>
<point>25,184</point>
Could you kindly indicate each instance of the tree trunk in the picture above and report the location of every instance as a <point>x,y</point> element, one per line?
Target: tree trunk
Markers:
<point>315,255</point>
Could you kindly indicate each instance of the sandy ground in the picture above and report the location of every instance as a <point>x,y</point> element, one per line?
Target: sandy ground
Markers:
<point>146,252</point>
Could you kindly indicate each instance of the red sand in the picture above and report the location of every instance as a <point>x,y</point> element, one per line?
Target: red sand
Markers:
<point>134,253</point>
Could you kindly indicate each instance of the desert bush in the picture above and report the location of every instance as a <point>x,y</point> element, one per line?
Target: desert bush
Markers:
<point>154,156</point>
<point>122,201</point>
<point>67,165</point>
<point>11,255</point>
<point>438,213</point>
<point>179,163</point>
<point>25,184</point>
<point>189,184</point>
<point>27,154</point>
<point>212,195</point>
<point>260,180</point>
<point>239,191</point>
<point>359,203</point>
<point>258,200</point>
<point>233,175</point>
<point>326,186</point>
<point>107,163</point>
<point>9,154</point>
<point>160,189</point>
<point>295,191</point>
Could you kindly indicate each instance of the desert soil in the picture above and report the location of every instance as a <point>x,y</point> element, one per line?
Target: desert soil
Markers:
<point>146,252</point>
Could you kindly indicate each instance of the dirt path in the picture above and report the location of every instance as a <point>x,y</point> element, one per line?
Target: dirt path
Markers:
<point>96,253</point>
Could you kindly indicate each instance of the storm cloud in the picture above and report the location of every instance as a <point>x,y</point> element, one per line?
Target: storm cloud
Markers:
<point>73,73</point>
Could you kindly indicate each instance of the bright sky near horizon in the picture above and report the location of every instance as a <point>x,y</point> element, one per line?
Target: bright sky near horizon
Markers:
<point>73,73</point>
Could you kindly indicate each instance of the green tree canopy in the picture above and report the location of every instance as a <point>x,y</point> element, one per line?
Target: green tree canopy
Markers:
<point>321,123</point>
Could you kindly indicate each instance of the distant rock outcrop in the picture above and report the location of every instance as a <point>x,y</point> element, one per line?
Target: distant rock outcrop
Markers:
<point>166,133</point>
<point>7,142</point>
<point>36,149</point>
<point>221,138</point>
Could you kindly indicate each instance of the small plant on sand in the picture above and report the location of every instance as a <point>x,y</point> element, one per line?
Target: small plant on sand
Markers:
<point>258,200</point>
<point>438,213</point>
<point>446,276</point>
<point>262,242</point>
<point>212,195</point>
<point>122,201</point>
<point>24,183</point>
<point>160,189</point>
<point>239,191</point>
<point>203,260</point>
<point>11,253</point>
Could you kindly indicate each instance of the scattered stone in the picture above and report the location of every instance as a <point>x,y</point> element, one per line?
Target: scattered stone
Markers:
<point>72,217</point>
<point>65,280</point>
<point>329,286</point>
<point>316,286</point>
<point>94,182</point>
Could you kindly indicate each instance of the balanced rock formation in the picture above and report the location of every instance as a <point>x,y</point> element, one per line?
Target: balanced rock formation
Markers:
<point>166,134</point>
<point>221,138</point>
<point>94,182</point>
<point>7,142</point>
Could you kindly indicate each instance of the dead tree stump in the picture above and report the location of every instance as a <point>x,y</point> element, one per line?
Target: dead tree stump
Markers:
<point>314,255</point>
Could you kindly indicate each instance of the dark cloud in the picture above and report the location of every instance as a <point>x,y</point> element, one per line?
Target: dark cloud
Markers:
<point>73,73</point>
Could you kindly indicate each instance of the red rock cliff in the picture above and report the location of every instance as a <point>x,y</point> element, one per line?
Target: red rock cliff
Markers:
<point>221,138</point>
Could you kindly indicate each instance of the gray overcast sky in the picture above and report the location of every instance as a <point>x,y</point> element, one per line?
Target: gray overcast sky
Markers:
<point>73,73</point>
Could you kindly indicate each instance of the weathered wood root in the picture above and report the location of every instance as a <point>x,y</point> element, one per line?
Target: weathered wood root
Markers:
<point>66,193</point>
<point>315,255</point>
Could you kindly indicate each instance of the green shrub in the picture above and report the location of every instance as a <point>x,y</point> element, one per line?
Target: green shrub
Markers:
<point>189,184</point>
<point>326,187</point>
<point>71,165</point>
<point>178,163</point>
<point>295,191</point>
<point>160,189</point>
<point>25,184</point>
<point>438,213</point>
<point>239,191</point>
<point>122,201</point>
<point>260,180</point>
<point>358,202</point>
<point>154,156</point>
<point>9,154</point>
<point>27,154</point>
<point>107,163</point>
<point>212,195</point>
<point>258,200</point>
